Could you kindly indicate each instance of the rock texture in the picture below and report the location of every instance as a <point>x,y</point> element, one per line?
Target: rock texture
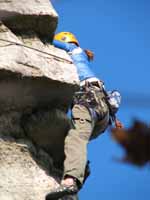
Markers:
<point>24,171</point>
<point>25,15</point>
<point>37,83</point>
<point>29,78</point>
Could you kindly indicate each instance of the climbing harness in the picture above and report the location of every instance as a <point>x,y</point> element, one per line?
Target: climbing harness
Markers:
<point>35,49</point>
<point>89,93</point>
<point>92,96</point>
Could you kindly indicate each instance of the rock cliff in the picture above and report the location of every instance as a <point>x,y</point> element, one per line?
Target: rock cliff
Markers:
<point>37,83</point>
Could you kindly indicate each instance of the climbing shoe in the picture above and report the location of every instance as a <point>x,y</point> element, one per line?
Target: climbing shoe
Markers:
<point>62,191</point>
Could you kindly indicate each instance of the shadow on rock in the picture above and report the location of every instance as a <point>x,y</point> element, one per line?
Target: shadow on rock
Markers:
<point>47,129</point>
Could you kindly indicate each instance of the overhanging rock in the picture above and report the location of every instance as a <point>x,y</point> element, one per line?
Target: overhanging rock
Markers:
<point>31,79</point>
<point>35,15</point>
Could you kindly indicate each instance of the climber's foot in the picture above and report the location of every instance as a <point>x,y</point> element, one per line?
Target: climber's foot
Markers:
<point>61,191</point>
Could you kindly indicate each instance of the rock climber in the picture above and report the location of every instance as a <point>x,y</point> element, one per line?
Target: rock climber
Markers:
<point>93,110</point>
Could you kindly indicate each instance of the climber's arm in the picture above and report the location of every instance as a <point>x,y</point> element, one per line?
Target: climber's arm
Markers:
<point>62,45</point>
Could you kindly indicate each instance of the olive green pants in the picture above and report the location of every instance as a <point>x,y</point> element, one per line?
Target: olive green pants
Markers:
<point>76,142</point>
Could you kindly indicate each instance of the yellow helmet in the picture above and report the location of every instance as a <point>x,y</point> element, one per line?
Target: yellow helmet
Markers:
<point>66,37</point>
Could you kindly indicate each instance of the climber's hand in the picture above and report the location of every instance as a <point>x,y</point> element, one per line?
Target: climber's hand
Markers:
<point>118,124</point>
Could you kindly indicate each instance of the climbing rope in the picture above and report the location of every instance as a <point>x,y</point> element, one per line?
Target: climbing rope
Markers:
<point>23,45</point>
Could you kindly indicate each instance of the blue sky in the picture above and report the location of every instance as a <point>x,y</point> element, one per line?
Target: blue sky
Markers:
<point>119,34</point>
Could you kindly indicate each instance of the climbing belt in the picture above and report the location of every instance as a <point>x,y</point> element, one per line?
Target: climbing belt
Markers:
<point>93,98</point>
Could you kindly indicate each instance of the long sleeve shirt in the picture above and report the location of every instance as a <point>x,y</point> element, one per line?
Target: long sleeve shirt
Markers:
<point>78,57</point>
<point>82,64</point>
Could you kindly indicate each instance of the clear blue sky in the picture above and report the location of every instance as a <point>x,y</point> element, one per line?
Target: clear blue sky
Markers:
<point>119,34</point>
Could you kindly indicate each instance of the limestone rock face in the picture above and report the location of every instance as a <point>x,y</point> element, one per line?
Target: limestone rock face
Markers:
<point>26,15</point>
<point>37,84</point>
<point>24,171</point>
